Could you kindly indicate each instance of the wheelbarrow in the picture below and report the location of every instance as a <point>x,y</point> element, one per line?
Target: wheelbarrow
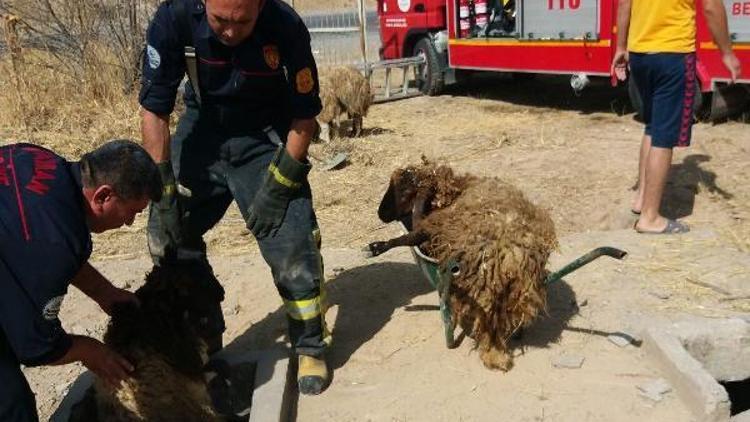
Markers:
<point>440,278</point>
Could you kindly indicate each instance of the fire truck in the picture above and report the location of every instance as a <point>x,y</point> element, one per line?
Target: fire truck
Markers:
<point>526,37</point>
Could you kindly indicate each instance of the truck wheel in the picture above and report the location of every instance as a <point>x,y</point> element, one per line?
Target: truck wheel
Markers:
<point>430,75</point>
<point>699,109</point>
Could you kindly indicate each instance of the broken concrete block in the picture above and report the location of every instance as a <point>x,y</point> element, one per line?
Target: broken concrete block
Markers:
<point>654,389</point>
<point>568,361</point>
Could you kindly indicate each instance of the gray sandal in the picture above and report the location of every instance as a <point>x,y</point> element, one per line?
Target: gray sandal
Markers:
<point>673,227</point>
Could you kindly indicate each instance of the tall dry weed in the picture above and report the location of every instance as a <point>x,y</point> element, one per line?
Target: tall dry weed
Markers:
<point>72,69</point>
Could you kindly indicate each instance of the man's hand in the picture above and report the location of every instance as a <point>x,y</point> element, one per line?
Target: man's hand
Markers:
<point>732,63</point>
<point>94,285</point>
<point>103,361</point>
<point>115,295</point>
<point>285,177</point>
<point>620,64</point>
<point>167,209</point>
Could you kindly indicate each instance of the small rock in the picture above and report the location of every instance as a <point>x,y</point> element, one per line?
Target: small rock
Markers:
<point>568,361</point>
<point>583,303</point>
<point>661,294</point>
<point>338,270</point>
<point>654,389</point>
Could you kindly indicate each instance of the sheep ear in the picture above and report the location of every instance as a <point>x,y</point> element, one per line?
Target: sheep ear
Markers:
<point>387,211</point>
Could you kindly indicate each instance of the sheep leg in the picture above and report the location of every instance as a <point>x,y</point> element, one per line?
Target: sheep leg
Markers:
<point>413,238</point>
<point>356,125</point>
<point>333,130</point>
<point>325,132</point>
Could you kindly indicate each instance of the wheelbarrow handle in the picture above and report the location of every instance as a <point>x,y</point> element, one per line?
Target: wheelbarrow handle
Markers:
<point>583,260</point>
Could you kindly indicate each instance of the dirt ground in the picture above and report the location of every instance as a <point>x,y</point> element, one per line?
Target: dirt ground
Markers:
<point>575,156</point>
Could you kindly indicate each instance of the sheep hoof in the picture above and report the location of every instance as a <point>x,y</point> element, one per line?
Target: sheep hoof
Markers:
<point>374,249</point>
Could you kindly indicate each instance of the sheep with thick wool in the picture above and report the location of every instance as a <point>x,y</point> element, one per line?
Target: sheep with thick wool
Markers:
<point>342,90</point>
<point>499,239</point>
<point>163,338</point>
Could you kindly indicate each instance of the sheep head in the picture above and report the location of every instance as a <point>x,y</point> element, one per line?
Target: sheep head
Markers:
<point>398,201</point>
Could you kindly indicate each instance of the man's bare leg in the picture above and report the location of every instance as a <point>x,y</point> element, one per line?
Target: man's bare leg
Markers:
<point>637,204</point>
<point>656,171</point>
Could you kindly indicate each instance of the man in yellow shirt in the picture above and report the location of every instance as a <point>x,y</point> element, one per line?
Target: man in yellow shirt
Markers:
<point>657,40</point>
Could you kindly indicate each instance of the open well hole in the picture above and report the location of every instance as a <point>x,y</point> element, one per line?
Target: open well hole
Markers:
<point>739,395</point>
<point>231,391</point>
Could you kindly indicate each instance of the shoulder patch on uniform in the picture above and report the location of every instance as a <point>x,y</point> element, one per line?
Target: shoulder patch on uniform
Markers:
<point>154,59</point>
<point>52,308</point>
<point>271,54</point>
<point>305,81</point>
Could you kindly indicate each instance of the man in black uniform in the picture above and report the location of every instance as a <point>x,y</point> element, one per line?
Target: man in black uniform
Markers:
<point>48,209</point>
<point>251,104</point>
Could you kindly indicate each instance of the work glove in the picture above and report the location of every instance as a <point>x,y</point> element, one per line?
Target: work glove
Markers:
<point>167,209</point>
<point>284,178</point>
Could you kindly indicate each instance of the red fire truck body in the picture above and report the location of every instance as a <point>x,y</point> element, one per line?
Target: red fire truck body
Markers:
<point>575,37</point>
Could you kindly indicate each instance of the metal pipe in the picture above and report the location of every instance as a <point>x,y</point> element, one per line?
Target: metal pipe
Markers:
<point>583,260</point>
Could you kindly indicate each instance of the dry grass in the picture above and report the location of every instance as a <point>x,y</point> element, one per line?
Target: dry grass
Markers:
<point>59,111</point>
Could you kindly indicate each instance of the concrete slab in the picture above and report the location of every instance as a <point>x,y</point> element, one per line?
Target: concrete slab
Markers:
<point>75,394</point>
<point>722,346</point>
<point>741,417</point>
<point>271,394</point>
<point>697,389</point>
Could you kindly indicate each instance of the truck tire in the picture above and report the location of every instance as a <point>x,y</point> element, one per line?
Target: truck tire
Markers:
<point>698,102</point>
<point>430,77</point>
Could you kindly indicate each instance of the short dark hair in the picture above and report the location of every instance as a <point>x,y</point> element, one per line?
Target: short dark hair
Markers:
<point>124,165</point>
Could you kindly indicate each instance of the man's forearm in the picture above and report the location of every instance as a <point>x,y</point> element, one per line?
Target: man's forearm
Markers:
<point>155,134</point>
<point>299,137</point>
<point>91,282</point>
<point>80,348</point>
<point>716,18</point>
<point>623,23</point>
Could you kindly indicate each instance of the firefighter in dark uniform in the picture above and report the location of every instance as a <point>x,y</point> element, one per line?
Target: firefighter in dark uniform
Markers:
<point>48,209</point>
<point>251,103</point>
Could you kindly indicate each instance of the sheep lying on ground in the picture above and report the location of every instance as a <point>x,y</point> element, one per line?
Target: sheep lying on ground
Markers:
<point>499,239</point>
<point>342,90</point>
<point>163,339</point>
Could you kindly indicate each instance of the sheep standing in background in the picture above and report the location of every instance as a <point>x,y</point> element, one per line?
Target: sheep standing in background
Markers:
<point>162,338</point>
<point>342,90</point>
<point>500,240</point>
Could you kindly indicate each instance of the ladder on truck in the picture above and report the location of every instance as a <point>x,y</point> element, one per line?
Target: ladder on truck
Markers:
<point>407,85</point>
